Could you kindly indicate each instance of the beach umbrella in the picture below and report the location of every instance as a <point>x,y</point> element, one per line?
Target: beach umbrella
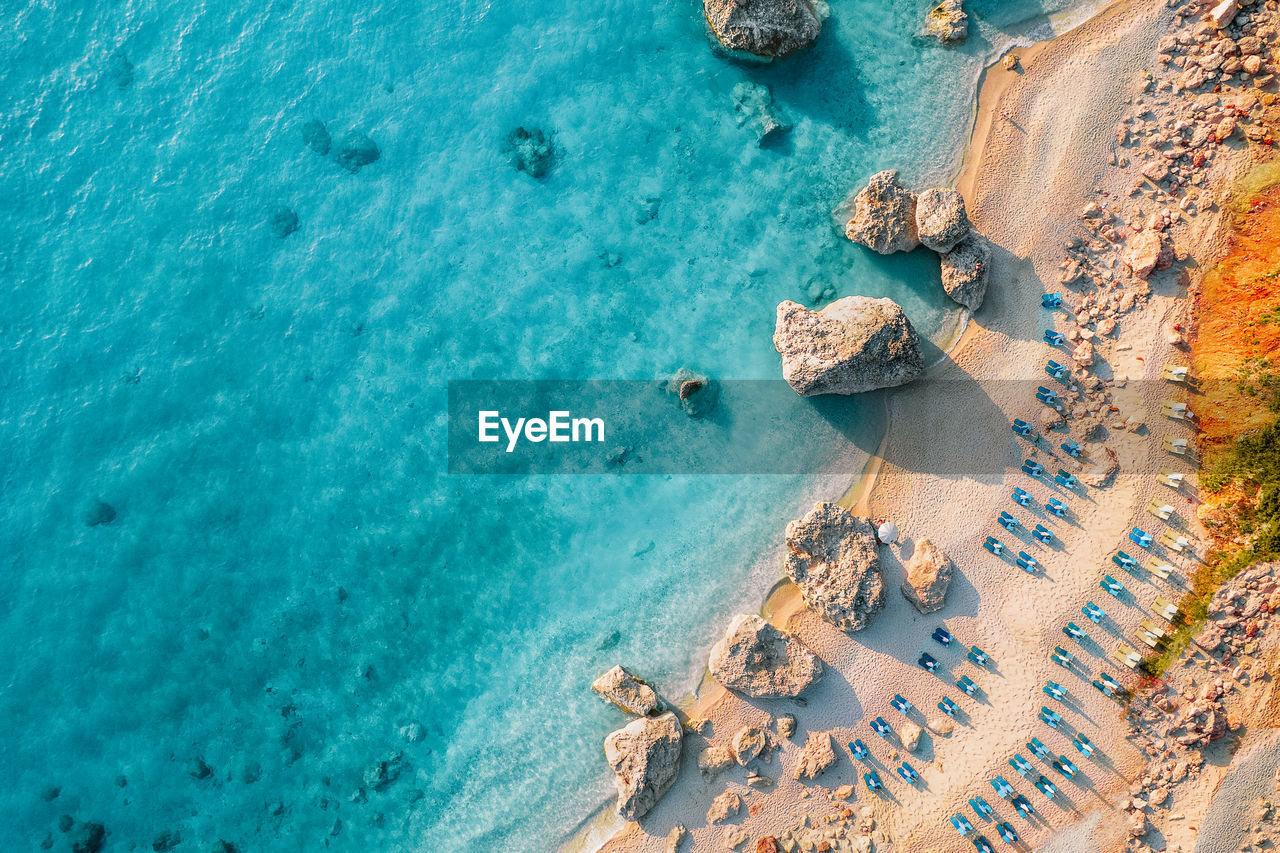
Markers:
<point>887,532</point>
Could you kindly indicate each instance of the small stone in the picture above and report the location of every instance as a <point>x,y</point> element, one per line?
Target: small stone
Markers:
<point>723,807</point>
<point>786,725</point>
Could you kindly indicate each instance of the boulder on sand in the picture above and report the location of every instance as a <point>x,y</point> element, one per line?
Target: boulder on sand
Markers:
<point>910,734</point>
<point>757,659</point>
<point>855,344</point>
<point>1147,251</point>
<point>884,215</point>
<point>928,576</point>
<point>747,743</point>
<point>816,756</point>
<point>768,28</point>
<point>965,269</point>
<point>645,757</point>
<point>626,691</point>
<point>941,221</point>
<point>835,564</point>
<point>948,22</point>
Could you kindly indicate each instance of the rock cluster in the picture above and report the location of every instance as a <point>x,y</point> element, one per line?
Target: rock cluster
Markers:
<point>645,758</point>
<point>928,576</point>
<point>355,151</point>
<point>853,345</point>
<point>626,691</point>
<point>766,28</point>
<point>948,22</point>
<point>834,562</point>
<point>757,659</point>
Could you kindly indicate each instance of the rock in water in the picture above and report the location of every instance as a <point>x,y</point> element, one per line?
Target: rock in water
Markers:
<point>626,691</point>
<point>531,150</point>
<point>753,104</point>
<point>835,564</point>
<point>965,270</point>
<point>356,151</point>
<point>88,838</point>
<point>816,756</point>
<point>928,576</point>
<point>884,216</point>
<point>283,221</point>
<point>768,28</point>
<point>941,221</point>
<point>698,395</point>
<point>948,22</point>
<point>99,512</point>
<point>1146,251</point>
<point>645,757</point>
<point>855,344</point>
<point>757,659</point>
<point>316,136</point>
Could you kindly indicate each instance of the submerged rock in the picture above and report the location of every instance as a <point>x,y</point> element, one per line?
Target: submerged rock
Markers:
<point>941,221</point>
<point>119,70</point>
<point>928,576</point>
<point>948,22</point>
<point>645,758</point>
<point>626,691</point>
<point>816,756</point>
<point>835,564</point>
<point>768,28</point>
<point>356,151</point>
<point>87,838</point>
<point>531,150</point>
<point>965,271</point>
<point>316,137</point>
<point>753,104</point>
<point>99,512</point>
<point>884,215</point>
<point>757,659</point>
<point>855,344</point>
<point>282,221</point>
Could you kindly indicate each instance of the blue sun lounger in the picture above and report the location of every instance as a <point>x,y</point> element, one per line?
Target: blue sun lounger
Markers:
<point>1056,690</point>
<point>1046,396</point>
<point>1026,562</point>
<point>1124,561</point>
<point>882,728</point>
<point>942,635</point>
<point>1051,300</point>
<point>978,656</point>
<point>948,707</point>
<point>1044,534</point>
<point>1021,765</point>
<point>1050,717</point>
<point>1062,657</point>
<point>1056,507</point>
<point>1022,428</point>
<point>966,684</point>
<point>982,808</point>
<point>1110,682</point>
<point>1032,469</point>
<point>928,661</point>
<point>1073,631</point>
<point>1064,766</point>
<point>1111,585</point>
<point>1083,744</point>
<point>961,823</point>
<point>1093,612</point>
<point>1023,805</point>
<point>1072,449</point>
<point>1057,371</point>
<point>1038,749</point>
<point>1008,522</point>
<point>859,749</point>
<point>995,546</point>
<point>1102,688</point>
<point>872,778</point>
<point>1044,786</point>
<point>1067,481</point>
<point>1054,339</point>
<point>1141,538</point>
<point>906,771</point>
<point>1021,496</point>
<point>1003,788</point>
<point>901,704</point>
<point>982,845</point>
<point>1007,833</point>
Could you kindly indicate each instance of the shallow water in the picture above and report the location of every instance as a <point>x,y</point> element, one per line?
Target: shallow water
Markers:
<point>292,588</point>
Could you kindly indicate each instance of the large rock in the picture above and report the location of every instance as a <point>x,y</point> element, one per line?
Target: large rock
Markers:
<point>884,215</point>
<point>769,28</point>
<point>928,576</point>
<point>941,221</point>
<point>948,22</point>
<point>855,344</point>
<point>834,562</point>
<point>1147,251</point>
<point>816,756</point>
<point>909,733</point>
<point>965,270</point>
<point>645,757</point>
<point>626,691</point>
<point>757,659</point>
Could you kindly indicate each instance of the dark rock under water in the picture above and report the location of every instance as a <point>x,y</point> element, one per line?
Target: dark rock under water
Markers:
<point>316,136</point>
<point>119,70</point>
<point>531,150</point>
<point>99,512</point>
<point>283,221</point>
<point>356,151</point>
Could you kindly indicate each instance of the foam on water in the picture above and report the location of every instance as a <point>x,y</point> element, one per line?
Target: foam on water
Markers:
<point>291,579</point>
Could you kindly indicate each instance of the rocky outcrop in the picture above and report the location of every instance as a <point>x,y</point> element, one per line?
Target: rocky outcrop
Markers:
<point>757,659</point>
<point>835,564</point>
<point>1147,251</point>
<point>941,221</point>
<point>645,757</point>
<point>948,22</point>
<point>816,756</point>
<point>855,344</point>
<point>928,576</point>
<point>965,270</point>
<point>626,691</point>
<point>768,28</point>
<point>884,215</point>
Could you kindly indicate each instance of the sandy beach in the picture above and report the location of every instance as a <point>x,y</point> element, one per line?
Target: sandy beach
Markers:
<point>1045,174</point>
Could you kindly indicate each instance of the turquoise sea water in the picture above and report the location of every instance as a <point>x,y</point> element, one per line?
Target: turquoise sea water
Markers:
<point>292,590</point>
